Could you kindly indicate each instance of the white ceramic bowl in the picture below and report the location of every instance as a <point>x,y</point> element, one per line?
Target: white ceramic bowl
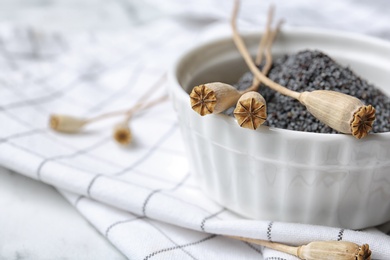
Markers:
<point>284,175</point>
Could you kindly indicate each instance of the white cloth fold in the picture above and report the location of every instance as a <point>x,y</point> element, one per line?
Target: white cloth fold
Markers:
<point>142,198</point>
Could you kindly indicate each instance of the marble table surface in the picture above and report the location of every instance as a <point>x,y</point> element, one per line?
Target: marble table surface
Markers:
<point>41,224</point>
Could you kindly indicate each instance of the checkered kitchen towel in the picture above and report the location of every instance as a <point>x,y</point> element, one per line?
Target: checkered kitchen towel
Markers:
<point>141,198</point>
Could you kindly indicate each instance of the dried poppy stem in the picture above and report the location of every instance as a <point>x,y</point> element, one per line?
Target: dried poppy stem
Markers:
<point>268,55</point>
<point>137,105</point>
<point>122,133</point>
<point>341,112</point>
<point>140,106</point>
<point>336,250</point>
<point>252,66</point>
<point>70,124</point>
<point>264,39</point>
<point>110,114</point>
<point>215,97</point>
<point>265,47</point>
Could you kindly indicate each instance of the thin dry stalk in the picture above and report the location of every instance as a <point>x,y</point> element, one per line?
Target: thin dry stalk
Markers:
<point>122,133</point>
<point>71,124</point>
<point>268,55</point>
<point>109,115</point>
<point>252,66</point>
<point>263,40</point>
<point>143,106</point>
<point>135,107</point>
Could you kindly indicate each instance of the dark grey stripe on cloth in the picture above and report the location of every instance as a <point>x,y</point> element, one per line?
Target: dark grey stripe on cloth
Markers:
<point>142,159</point>
<point>74,154</point>
<point>170,239</point>
<point>269,231</point>
<point>150,151</point>
<point>78,200</point>
<point>22,134</point>
<point>91,183</point>
<point>121,222</point>
<point>25,150</point>
<point>210,217</point>
<point>340,235</point>
<point>178,185</point>
<point>253,247</point>
<point>147,200</point>
<point>179,247</point>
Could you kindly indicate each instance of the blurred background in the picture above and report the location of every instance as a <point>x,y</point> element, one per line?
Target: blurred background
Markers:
<point>368,17</point>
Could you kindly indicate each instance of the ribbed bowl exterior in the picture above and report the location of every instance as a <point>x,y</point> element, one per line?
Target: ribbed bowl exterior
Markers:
<point>281,175</point>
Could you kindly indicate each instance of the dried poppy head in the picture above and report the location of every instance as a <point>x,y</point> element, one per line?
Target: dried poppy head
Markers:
<point>213,98</point>
<point>251,110</point>
<point>337,250</point>
<point>342,112</point>
<point>342,250</point>
<point>364,253</point>
<point>362,121</point>
<point>67,124</point>
<point>122,134</point>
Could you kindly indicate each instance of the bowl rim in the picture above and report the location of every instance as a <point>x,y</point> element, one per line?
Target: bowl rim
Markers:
<point>181,94</point>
